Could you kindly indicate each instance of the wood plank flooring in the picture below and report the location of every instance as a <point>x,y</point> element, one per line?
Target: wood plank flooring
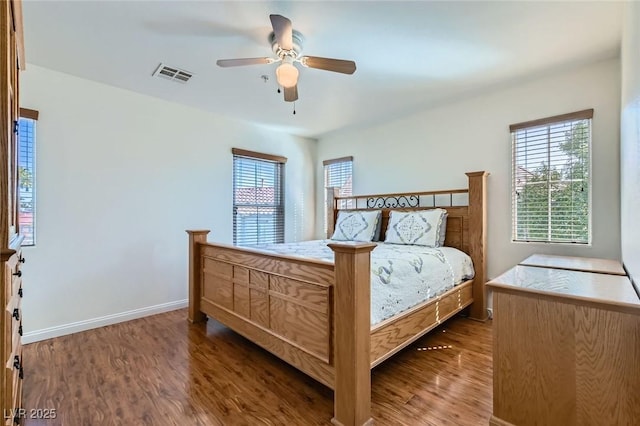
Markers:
<point>161,370</point>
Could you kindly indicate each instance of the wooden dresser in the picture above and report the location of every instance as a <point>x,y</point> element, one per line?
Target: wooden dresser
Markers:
<point>585,264</point>
<point>566,344</point>
<point>12,372</point>
<point>11,60</point>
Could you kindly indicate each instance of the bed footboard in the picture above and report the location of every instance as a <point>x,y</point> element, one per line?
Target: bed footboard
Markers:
<point>307,312</point>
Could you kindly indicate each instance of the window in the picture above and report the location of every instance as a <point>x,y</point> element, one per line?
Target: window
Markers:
<point>552,179</point>
<point>338,173</point>
<point>26,175</point>
<point>258,198</point>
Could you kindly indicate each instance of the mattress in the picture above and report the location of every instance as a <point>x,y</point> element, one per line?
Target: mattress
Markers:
<point>402,276</point>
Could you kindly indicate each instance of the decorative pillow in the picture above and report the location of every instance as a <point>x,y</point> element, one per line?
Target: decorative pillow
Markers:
<point>417,227</point>
<point>356,225</point>
<point>443,230</point>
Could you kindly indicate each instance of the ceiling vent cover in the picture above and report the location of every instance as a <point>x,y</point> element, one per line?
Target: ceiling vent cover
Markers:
<point>172,73</point>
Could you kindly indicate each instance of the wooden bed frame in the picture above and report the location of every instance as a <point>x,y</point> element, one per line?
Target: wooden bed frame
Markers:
<point>315,314</point>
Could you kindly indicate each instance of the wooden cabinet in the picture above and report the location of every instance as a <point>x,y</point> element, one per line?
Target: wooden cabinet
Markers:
<point>566,347</point>
<point>11,61</point>
<point>13,371</point>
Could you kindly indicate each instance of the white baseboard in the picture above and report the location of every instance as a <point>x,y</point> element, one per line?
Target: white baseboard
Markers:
<point>75,327</point>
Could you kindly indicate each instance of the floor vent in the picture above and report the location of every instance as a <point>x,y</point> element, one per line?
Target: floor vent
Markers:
<point>172,73</point>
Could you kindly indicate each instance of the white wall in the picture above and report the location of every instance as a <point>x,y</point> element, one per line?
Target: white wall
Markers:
<point>120,177</point>
<point>630,142</point>
<point>433,148</point>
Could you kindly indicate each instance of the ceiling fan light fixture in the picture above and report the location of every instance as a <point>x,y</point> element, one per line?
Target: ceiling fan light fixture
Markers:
<point>287,74</point>
<point>287,43</point>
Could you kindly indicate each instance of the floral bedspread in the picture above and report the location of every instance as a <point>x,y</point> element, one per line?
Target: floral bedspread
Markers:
<point>402,276</point>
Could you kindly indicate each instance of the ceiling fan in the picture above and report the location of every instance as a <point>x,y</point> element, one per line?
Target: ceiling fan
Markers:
<point>286,43</point>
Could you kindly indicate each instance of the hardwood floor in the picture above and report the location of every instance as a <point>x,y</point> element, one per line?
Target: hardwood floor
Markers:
<point>161,370</point>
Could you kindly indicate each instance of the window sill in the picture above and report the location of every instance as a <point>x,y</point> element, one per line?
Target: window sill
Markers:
<point>585,245</point>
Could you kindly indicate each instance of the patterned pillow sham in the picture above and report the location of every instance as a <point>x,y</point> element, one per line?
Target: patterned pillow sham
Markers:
<point>356,225</point>
<point>416,227</point>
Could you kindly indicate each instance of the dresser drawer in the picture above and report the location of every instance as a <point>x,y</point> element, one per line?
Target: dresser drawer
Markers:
<point>18,376</point>
<point>15,338</point>
<point>15,264</point>
<point>16,284</point>
<point>14,303</point>
<point>17,397</point>
<point>16,333</point>
<point>14,362</point>
<point>13,261</point>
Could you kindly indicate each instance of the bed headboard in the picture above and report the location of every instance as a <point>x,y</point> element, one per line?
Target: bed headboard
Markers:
<point>466,220</point>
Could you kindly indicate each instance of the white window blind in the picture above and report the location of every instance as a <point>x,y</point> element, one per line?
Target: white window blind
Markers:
<point>338,173</point>
<point>26,175</point>
<point>258,198</point>
<point>552,179</point>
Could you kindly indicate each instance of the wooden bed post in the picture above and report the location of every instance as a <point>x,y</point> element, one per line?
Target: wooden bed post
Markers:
<point>330,212</point>
<point>478,241</point>
<point>352,333</point>
<point>195,275</point>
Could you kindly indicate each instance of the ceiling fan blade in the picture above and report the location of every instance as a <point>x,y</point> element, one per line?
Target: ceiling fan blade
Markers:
<point>243,61</point>
<point>329,64</point>
<point>283,31</point>
<point>291,94</point>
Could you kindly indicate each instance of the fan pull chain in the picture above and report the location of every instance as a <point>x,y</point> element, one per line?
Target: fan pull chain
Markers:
<point>294,108</point>
<point>278,90</point>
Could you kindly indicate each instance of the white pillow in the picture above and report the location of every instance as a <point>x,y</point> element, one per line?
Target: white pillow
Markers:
<point>416,227</point>
<point>356,225</point>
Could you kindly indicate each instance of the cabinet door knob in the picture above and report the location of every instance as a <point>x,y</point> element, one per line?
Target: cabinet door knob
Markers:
<point>21,260</point>
<point>18,274</point>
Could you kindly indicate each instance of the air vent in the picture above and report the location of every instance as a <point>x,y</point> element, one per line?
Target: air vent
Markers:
<point>172,73</point>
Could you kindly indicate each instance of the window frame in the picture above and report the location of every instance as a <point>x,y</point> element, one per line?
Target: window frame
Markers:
<point>32,115</point>
<point>326,167</point>
<point>279,194</point>
<point>548,122</point>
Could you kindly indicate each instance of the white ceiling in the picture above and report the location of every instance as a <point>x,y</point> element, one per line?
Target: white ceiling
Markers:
<point>409,55</point>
